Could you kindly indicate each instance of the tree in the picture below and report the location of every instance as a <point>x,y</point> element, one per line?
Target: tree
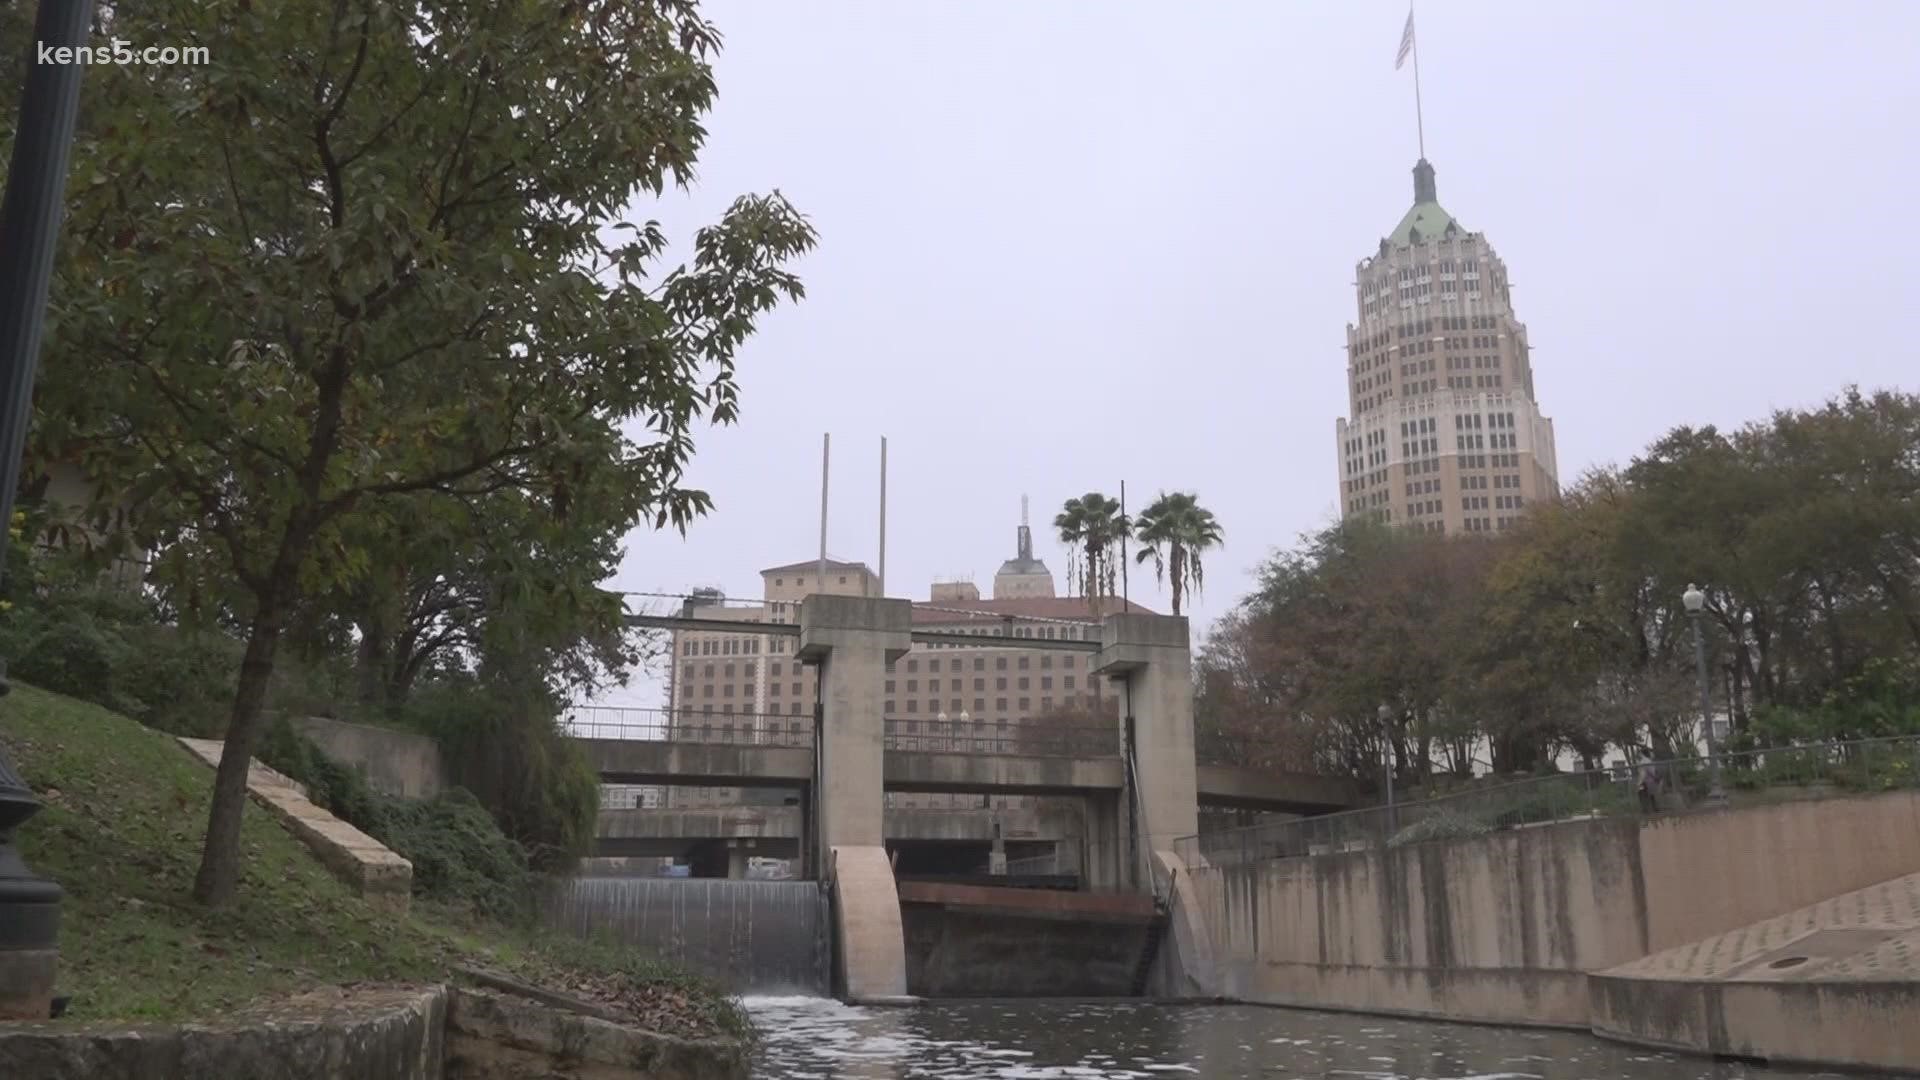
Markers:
<point>1092,527</point>
<point>373,252</point>
<point>1173,532</point>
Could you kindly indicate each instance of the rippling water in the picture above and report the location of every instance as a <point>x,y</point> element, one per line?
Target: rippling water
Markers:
<point>816,1039</point>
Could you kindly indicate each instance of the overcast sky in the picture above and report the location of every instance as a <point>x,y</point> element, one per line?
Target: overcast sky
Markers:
<point>1067,244</point>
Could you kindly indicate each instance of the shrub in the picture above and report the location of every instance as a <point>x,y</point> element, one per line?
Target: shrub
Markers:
<point>458,852</point>
<point>511,753</point>
<point>1439,825</point>
<point>71,655</point>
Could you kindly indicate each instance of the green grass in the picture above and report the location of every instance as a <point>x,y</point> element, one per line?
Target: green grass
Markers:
<point>125,810</point>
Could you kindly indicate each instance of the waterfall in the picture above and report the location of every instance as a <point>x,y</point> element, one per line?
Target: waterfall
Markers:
<point>757,937</point>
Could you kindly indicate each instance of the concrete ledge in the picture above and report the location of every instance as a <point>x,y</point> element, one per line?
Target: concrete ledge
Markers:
<point>1856,1025</point>
<point>1837,983</point>
<point>493,1036</point>
<point>871,943</point>
<point>373,870</point>
<point>363,1033</point>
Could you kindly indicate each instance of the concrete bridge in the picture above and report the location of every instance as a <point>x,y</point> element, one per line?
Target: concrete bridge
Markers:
<point>720,841</point>
<point>1135,777</point>
<point>675,760</point>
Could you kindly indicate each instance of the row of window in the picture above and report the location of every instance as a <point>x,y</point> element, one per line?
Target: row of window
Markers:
<point>955,707</point>
<point>1023,662</point>
<point>1000,683</point>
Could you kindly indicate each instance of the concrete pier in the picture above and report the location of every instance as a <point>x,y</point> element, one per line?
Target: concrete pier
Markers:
<point>851,639</point>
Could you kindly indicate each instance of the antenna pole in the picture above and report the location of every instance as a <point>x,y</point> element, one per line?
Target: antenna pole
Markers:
<point>826,446</point>
<point>1126,605</point>
<point>883,515</point>
<point>1419,118</point>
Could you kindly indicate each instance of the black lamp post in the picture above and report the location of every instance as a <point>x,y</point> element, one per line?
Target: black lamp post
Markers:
<point>29,225</point>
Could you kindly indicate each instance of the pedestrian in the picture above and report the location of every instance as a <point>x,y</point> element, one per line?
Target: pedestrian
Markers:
<point>1649,787</point>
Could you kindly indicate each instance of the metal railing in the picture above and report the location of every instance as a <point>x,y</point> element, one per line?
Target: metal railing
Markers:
<point>689,726</point>
<point>1098,740</point>
<point>1747,778</point>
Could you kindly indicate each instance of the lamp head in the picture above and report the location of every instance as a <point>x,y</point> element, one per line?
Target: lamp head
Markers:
<point>1694,599</point>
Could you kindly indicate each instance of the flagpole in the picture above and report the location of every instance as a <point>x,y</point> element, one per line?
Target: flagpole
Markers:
<point>1419,119</point>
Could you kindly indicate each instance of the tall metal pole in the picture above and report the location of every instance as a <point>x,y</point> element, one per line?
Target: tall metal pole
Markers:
<point>826,446</point>
<point>1716,793</point>
<point>883,515</point>
<point>1126,605</point>
<point>29,228</point>
<point>1419,117</point>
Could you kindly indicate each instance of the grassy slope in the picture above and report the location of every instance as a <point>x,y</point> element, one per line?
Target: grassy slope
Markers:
<point>125,810</point>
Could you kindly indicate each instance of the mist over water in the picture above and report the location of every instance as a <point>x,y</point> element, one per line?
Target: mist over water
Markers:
<point>820,1039</point>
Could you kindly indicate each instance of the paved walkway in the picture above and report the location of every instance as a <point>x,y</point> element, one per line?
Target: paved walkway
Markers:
<point>372,869</point>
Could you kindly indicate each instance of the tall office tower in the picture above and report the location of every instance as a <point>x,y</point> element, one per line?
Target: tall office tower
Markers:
<point>1443,431</point>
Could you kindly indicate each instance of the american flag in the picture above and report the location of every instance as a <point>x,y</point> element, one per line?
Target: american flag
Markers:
<point>1406,43</point>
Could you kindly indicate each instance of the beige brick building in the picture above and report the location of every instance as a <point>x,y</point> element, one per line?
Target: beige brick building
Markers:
<point>748,686</point>
<point>1443,430</point>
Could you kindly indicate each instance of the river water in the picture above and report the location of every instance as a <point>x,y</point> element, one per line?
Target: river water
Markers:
<point>819,1039</point>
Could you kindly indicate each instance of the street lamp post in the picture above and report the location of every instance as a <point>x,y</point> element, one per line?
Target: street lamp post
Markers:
<point>29,225</point>
<point>1695,602</point>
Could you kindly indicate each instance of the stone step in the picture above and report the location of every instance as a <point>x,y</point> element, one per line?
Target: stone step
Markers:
<point>369,867</point>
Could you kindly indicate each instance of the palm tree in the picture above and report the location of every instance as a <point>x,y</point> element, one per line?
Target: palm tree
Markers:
<point>1091,526</point>
<point>1173,532</point>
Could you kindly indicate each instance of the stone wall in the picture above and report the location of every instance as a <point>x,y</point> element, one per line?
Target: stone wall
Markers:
<point>493,1036</point>
<point>366,1033</point>
<point>372,1033</point>
<point>398,763</point>
<point>1504,928</point>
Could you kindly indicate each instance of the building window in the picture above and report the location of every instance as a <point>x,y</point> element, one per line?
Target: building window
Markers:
<point>1046,704</point>
<point>1067,662</point>
<point>774,689</point>
<point>913,687</point>
<point>1026,705</point>
<point>888,707</point>
<point>1024,662</point>
<point>913,665</point>
<point>999,663</point>
<point>979,684</point>
<point>1000,683</point>
<point>728,691</point>
<point>796,689</point>
<point>933,685</point>
<point>799,581</point>
<point>1000,705</point>
<point>979,704</point>
<point>954,664</point>
<point>914,707</point>
<point>979,663</point>
<point>1023,682</point>
<point>889,686</point>
<point>1067,684</point>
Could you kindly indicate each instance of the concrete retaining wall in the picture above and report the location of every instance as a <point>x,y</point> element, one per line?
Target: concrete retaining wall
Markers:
<point>1504,928</point>
<point>398,763</point>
